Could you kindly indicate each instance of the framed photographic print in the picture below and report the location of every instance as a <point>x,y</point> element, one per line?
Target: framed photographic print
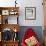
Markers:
<point>30,13</point>
<point>5,12</point>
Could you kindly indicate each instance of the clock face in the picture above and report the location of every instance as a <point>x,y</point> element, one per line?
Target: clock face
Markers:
<point>5,12</point>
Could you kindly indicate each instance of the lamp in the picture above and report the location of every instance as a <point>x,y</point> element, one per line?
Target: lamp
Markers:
<point>15,37</point>
<point>15,30</point>
<point>15,3</point>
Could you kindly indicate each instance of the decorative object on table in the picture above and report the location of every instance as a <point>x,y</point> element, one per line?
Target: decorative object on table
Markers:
<point>7,34</point>
<point>6,21</point>
<point>15,36</point>
<point>30,13</point>
<point>15,3</point>
<point>30,38</point>
<point>13,12</point>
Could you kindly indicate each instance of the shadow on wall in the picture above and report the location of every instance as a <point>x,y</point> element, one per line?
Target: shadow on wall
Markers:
<point>37,29</point>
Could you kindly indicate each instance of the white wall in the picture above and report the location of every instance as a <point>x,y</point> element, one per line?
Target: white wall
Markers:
<point>39,12</point>
<point>27,3</point>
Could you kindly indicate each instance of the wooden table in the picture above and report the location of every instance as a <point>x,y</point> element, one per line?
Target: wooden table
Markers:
<point>9,43</point>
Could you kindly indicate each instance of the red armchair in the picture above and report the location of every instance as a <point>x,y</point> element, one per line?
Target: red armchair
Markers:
<point>30,39</point>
